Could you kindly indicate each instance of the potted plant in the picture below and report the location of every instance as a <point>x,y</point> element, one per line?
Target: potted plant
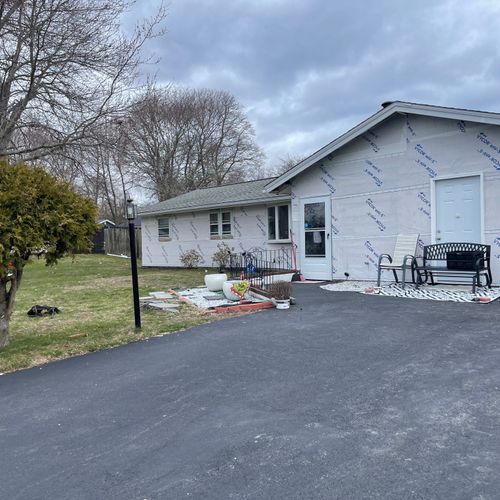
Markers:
<point>236,289</point>
<point>280,292</point>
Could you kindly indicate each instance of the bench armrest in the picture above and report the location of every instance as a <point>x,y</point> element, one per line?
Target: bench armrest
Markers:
<point>478,265</point>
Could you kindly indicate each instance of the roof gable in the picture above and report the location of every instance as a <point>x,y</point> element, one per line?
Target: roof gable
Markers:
<point>388,110</point>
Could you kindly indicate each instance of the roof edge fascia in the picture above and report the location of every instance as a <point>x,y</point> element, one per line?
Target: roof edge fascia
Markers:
<point>229,204</point>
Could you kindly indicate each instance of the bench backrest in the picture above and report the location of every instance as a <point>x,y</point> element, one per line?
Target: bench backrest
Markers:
<point>440,251</point>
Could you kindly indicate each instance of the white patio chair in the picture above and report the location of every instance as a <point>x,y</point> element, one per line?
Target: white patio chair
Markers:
<point>403,257</point>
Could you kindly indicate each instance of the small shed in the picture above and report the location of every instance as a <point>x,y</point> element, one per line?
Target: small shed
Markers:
<point>98,241</point>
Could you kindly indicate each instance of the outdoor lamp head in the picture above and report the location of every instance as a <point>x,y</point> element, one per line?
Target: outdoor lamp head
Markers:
<point>130,210</point>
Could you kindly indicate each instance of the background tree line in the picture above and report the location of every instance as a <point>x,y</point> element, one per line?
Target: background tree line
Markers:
<point>69,101</point>
<point>170,140</point>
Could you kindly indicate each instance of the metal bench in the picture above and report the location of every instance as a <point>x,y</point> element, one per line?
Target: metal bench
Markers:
<point>455,260</point>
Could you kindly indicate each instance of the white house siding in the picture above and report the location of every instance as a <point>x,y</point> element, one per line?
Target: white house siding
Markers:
<point>191,231</point>
<point>380,186</point>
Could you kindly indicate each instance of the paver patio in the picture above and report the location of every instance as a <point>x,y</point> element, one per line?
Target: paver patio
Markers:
<point>342,396</point>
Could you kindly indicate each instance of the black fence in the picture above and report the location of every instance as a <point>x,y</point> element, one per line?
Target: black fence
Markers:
<point>98,242</point>
<point>262,267</point>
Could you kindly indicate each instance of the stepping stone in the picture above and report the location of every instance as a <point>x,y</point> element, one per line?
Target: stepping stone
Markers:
<point>162,306</point>
<point>161,295</point>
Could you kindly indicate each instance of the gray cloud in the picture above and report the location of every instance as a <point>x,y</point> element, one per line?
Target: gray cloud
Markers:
<point>308,70</point>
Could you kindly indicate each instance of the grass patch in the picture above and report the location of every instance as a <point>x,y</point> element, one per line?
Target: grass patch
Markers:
<point>94,294</point>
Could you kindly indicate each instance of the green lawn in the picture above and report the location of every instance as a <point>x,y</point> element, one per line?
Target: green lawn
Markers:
<point>94,295</point>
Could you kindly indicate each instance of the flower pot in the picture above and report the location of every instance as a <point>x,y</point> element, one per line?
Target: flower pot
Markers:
<point>282,303</point>
<point>226,288</point>
<point>214,282</point>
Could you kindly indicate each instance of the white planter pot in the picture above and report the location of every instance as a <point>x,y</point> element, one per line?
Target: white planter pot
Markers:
<point>282,303</point>
<point>214,282</point>
<point>226,288</point>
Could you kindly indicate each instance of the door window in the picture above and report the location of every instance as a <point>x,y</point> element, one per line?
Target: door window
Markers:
<point>314,229</point>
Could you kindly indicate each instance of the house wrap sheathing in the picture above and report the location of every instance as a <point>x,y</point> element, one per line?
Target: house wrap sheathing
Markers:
<point>245,204</point>
<point>407,169</point>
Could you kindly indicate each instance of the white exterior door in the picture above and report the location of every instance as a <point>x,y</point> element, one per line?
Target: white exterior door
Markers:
<point>315,238</point>
<point>458,210</point>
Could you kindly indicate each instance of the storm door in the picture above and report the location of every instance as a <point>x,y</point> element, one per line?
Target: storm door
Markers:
<point>315,241</point>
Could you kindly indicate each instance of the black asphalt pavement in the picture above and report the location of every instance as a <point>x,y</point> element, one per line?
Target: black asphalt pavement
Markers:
<point>343,396</point>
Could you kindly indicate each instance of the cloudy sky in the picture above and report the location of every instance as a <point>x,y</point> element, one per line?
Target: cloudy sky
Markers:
<point>308,70</point>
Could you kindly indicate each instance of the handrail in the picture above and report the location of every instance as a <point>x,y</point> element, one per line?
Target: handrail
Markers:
<point>260,265</point>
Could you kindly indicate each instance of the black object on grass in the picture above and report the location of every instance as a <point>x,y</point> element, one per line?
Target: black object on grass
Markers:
<point>37,311</point>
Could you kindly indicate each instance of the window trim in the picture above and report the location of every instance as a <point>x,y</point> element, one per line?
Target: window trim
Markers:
<point>276,223</point>
<point>163,237</point>
<point>220,233</point>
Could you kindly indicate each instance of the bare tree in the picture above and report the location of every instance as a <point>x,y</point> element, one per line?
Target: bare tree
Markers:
<point>110,175</point>
<point>65,66</point>
<point>183,139</point>
<point>224,139</point>
<point>285,163</point>
<point>97,169</point>
<point>157,134</point>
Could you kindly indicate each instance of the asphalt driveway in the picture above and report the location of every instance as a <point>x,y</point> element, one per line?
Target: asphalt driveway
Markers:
<point>343,396</point>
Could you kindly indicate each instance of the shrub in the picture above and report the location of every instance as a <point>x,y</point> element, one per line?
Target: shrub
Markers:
<point>37,212</point>
<point>280,290</point>
<point>221,255</point>
<point>191,258</point>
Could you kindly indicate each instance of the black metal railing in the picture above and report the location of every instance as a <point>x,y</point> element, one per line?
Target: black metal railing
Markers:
<point>261,267</point>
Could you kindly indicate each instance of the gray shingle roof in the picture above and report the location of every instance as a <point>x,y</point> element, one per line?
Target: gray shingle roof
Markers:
<point>243,193</point>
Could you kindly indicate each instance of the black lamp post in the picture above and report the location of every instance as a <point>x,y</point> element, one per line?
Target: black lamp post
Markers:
<point>131,215</point>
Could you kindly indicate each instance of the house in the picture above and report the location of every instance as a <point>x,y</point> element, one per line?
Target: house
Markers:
<point>243,216</point>
<point>409,168</point>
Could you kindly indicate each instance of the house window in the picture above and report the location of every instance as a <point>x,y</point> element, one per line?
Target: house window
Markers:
<point>278,223</point>
<point>220,224</point>
<point>214,224</point>
<point>163,229</point>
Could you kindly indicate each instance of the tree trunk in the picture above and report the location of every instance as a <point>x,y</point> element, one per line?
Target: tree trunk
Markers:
<point>4,317</point>
<point>8,289</point>
<point>4,327</point>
